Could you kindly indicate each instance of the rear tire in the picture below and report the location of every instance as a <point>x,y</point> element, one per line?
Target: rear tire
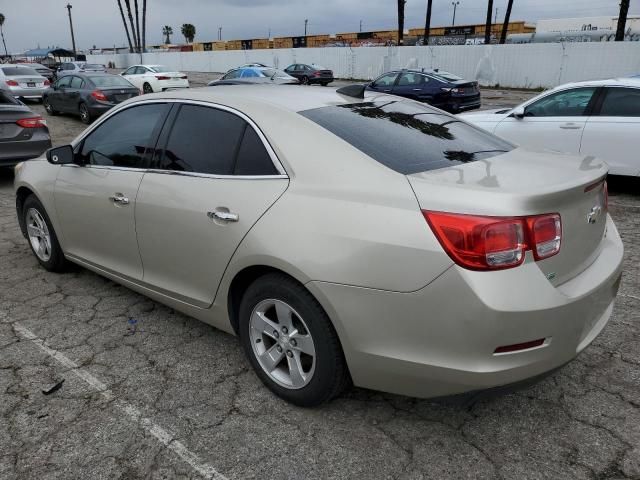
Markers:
<point>85,115</point>
<point>305,365</point>
<point>42,237</point>
<point>304,80</point>
<point>49,108</point>
<point>146,88</point>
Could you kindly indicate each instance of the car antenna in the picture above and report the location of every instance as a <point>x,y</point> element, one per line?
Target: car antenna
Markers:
<point>356,91</point>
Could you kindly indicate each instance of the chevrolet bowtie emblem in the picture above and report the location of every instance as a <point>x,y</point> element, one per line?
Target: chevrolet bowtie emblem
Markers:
<point>593,215</point>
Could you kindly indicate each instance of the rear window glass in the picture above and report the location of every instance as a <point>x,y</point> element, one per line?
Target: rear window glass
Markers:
<point>8,99</point>
<point>15,71</point>
<point>93,66</point>
<point>159,68</point>
<point>447,76</point>
<point>110,81</point>
<point>407,137</point>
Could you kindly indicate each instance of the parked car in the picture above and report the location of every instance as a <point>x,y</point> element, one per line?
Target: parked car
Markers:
<point>155,78</point>
<point>67,68</point>
<point>407,251</point>
<point>255,75</point>
<point>44,71</point>
<point>23,134</point>
<point>88,95</point>
<point>309,74</point>
<point>23,81</point>
<point>435,87</point>
<point>247,65</point>
<point>599,118</point>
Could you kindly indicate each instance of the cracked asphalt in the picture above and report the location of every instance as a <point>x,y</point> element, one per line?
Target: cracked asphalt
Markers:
<point>176,399</point>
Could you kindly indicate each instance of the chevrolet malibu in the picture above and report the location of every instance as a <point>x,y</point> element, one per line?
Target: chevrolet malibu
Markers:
<point>408,251</point>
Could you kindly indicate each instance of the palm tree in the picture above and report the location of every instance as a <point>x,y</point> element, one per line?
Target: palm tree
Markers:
<point>427,23</point>
<point>189,31</point>
<point>487,25</point>
<point>166,31</point>
<point>505,25</point>
<point>622,20</point>
<point>2,33</point>
<point>144,23</point>
<point>133,28</point>
<point>126,29</point>
<point>401,21</point>
<point>137,25</point>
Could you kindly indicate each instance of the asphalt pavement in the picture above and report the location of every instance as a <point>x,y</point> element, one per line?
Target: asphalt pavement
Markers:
<point>99,382</point>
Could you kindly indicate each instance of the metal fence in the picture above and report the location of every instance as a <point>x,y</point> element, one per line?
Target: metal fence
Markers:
<point>513,66</point>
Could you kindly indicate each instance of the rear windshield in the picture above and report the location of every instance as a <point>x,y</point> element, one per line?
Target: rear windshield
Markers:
<point>93,66</point>
<point>16,71</point>
<point>408,137</point>
<point>159,68</point>
<point>108,81</point>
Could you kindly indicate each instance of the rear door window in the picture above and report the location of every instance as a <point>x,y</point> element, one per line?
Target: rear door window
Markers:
<point>621,102</point>
<point>76,82</point>
<point>386,80</point>
<point>253,158</point>
<point>63,82</point>
<point>408,137</point>
<point>410,79</point>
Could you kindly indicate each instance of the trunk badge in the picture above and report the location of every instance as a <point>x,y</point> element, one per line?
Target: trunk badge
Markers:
<point>593,215</point>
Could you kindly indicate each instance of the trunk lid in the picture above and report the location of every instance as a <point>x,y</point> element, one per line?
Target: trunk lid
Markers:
<point>466,87</point>
<point>520,183</point>
<point>28,81</point>
<point>117,95</point>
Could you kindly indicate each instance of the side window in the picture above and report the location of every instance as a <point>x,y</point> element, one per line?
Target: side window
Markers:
<point>63,82</point>
<point>129,71</point>
<point>386,80</point>
<point>621,102</point>
<point>76,82</point>
<point>410,79</point>
<point>231,74</point>
<point>569,103</point>
<point>253,158</point>
<point>203,140</point>
<point>123,139</point>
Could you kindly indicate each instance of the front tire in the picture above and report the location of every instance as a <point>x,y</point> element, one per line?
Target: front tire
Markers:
<point>85,116</point>
<point>47,106</point>
<point>290,342</point>
<point>42,237</point>
<point>146,88</point>
<point>304,80</point>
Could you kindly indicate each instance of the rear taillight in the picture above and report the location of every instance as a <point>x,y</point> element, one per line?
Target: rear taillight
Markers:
<point>495,243</point>
<point>162,77</point>
<point>47,83</point>
<point>183,77</point>
<point>32,122</point>
<point>98,95</point>
<point>316,74</point>
<point>12,83</point>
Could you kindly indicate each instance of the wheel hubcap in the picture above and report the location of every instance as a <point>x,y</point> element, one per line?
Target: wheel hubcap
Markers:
<point>282,344</point>
<point>38,234</point>
<point>83,112</point>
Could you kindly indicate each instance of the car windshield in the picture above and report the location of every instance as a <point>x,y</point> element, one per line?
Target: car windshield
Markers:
<point>408,137</point>
<point>159,68</point>
<point>94,66</point>
<point>110,81</point>
<point>17,71</point>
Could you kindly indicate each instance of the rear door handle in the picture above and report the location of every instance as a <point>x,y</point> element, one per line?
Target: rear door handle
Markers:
<point>119,199</point>
<point>570,126</point>
<point>226,216</point>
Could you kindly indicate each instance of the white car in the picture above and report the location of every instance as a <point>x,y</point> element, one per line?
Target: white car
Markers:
<point>155,78</point>
<point>598,118</point>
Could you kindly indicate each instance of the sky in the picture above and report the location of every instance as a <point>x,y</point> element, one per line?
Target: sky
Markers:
<point>33,23</point>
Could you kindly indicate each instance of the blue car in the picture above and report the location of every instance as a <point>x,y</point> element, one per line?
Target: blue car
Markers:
<point>435,87</point>
<point>254,75</point>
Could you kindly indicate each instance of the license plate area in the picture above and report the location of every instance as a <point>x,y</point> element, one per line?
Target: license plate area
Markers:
<point>31,84</point>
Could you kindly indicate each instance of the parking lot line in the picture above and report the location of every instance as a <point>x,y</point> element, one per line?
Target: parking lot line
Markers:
<point>163,436</point>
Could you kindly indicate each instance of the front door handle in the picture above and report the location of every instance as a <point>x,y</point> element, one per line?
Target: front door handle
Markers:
<point>570,126</point>
<point>119,199</point>
<point>226,216</point>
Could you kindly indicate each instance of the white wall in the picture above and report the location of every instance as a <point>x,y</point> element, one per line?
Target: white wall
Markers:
<point>514,66</point>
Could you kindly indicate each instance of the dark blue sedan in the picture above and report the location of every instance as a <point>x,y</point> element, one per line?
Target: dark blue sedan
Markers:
<point>435,87</point>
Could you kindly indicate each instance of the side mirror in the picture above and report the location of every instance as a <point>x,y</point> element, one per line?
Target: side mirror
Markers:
<point>60,155</point>
<point>518,112</point>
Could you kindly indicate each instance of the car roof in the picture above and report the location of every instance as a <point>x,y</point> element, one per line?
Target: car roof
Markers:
<point>260,96</point>
<point>609,82</point>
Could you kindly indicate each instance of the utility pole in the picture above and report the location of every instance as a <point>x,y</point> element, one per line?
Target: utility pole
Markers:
<point>360,25</point>
<point>495,18</point>
<point>306,20</point>
<point>427,24</point>
<point>219,33</point>
<point>73,39</point>
<point>487,26</point>
<point>455,5</point>
<point>622,20</point>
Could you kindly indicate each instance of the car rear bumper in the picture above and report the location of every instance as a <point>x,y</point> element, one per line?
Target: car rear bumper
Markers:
<point>12,153</point>
<point>321,79</point>
<point>168,85</point>
<point>441,340</point>
<point>35,92</point>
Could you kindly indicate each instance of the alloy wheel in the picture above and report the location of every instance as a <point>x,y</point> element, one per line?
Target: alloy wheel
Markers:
<point>282,344</point>
<point>146,88</point>
<point>38,233</point>
<point>47,106</point>
<point>84,113</point>
<point>305,81</point>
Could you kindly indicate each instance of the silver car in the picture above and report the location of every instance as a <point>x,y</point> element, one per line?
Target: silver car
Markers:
<point>344,236</point>
<point>23,81</point>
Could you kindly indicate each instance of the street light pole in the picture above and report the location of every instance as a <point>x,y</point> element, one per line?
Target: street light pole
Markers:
<point>455,5</point>
<point>305,26</point>
<point>360,25</point>
<point>73,39</point>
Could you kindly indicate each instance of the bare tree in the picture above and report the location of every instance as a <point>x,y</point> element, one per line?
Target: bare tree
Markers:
<point>126,29</point>
<point>505,25</point>
<point>487,26</point>
<point>401,4</point>
<point>427,23</point>
<point>144,23</point>
<point>622,20</point>
<point>133,28</point>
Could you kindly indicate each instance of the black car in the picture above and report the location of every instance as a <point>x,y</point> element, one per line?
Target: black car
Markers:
<point>308,74</point>
<point>87,94</point>
<point>435,87</point>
